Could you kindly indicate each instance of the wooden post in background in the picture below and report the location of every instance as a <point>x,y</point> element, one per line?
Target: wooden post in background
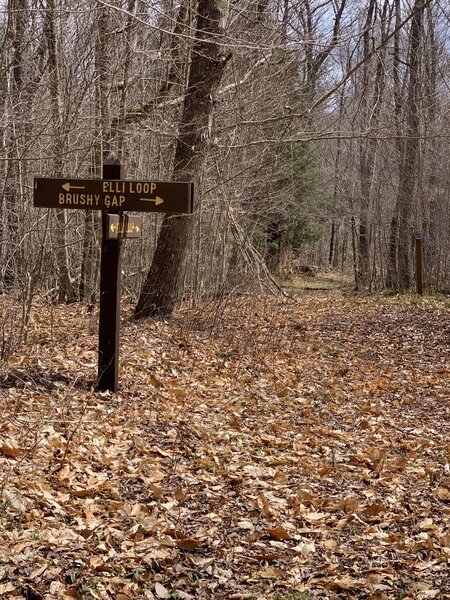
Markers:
<point>419,276</point>
<point>110,288</point>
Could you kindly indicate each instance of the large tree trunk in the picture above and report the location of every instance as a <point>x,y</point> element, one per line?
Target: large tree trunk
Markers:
<point>392,271</point>
<point>408,172</point>
<point>91,251</point>
<point>366,160</point>
<point>66,292</point>
<point>162,286</point>
<point>16,30</point>
<point>432,221</point>
<point>400,244</point>
<point>371,112</point>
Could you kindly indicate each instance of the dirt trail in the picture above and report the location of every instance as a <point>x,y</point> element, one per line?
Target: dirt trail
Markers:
<point>266,448</point>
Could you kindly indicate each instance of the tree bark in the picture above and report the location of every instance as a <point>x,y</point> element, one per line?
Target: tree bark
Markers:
<point>17,23</point>
<point>408,170</point>
<point>371,113</point>
<point>66,291</point>
<point>392,271</point>
<point>90,265</point>
<point>162,285</point>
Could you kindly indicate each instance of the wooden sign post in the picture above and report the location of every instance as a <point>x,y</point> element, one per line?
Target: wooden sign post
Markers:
<point>419,269</point>
<point>113,195</point>
<point>110,287</point>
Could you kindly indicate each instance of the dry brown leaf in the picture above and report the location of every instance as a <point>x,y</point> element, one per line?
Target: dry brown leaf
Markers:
<point>305,548</point>
<point>161,591</point>
<point>154,381</point>
<point>11,449</point>
<point>375,509</point>
<point>155,476</point>
<point>139,510</point>
<point>188,544</point>
<point>342,583</point>
<point>70,594</point>
<point>445,482</point>
<point>442,494</point>
<point>326,470</point>
<point>271,573</point>
<point>65,473</point>
<point>264,506</point>
<point>349,505</point>
<point>314,517</point>
<point>5,588</point>
<point>266,557</point>
<point>181,494</point>
<point>38,572</point>
<point>84,493</point>
<point>426,524</point>
<point>279,533</point>
<point>246,525</point>
<point>14,499</point>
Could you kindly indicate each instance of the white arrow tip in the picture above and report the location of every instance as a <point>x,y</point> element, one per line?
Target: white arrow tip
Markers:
<point>66,186</point>
<point>158,200</point>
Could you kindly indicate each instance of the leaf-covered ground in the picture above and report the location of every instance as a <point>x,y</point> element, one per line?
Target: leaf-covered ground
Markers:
<point>264,448</point>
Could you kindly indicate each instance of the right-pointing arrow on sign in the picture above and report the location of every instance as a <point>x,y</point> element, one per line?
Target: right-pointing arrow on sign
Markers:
<point>156,200</point>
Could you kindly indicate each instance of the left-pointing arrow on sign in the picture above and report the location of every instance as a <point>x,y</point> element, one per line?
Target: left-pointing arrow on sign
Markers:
<point>67,187</point>
<point>156,200</point>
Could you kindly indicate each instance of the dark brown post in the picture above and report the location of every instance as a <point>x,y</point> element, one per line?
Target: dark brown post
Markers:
<point>110,276</point>
<point>419,278</point>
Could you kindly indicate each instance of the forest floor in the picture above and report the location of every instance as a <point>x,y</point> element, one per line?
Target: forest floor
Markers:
<point>292,449</point>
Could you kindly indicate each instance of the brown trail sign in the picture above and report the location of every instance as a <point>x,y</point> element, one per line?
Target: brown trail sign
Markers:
<point>113,195</point>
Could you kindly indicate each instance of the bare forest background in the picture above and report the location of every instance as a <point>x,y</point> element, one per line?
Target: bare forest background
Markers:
<point>316,132</point>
